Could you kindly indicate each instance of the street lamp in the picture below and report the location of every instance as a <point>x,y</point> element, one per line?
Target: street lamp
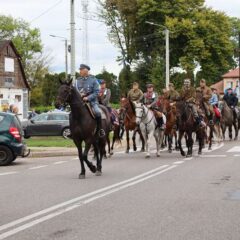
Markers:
<point>166,31</point>
<point>66,52</point>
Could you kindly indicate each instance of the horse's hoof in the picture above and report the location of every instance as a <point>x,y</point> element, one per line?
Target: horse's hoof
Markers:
<point>127,151</point>
<point>170,150</point>
<point>92,168</point>
<point>199,153</point>
<point>81,176</point>
<point>98,173</point>
<point>183,154</point>
<point>111,153</point>
<point>210,148</point>
<point>134,149</point>
<point>235,139</point>
<point>147,156</point>
<point>189,155</point>
<point>158,155</point>
<point>105,156</point>
<point>142,150</point>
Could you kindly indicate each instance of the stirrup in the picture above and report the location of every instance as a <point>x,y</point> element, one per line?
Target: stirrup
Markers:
<point>101,133</point>
<point>211,122</point>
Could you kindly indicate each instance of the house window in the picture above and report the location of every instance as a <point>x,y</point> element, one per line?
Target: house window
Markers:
<point>18,98</point>
<point>9,82</point>
<point>1,96</point>
<point>9,65</point>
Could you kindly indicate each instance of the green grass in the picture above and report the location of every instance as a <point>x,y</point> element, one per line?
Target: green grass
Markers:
<point>49,142</point>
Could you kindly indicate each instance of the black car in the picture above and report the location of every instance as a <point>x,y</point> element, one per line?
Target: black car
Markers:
<point>11,140</point>
<point>47,124</point>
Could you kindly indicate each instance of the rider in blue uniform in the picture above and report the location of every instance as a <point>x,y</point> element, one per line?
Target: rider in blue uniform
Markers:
<point>88,87</point>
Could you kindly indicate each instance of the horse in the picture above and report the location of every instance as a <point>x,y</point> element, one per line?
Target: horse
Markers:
<point>83,127</point>
<point>200,104</point>
<point>117,130</point>
<point>145,119</point>
<point>228,120</point>
<point>170,112</point>
<point>187,125</point>
<point>127,115</point>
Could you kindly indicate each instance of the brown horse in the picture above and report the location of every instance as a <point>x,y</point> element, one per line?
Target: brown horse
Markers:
<point>187,125</point>
<point>127,115</point>
<point>202,112</point>
<point>169,110</point>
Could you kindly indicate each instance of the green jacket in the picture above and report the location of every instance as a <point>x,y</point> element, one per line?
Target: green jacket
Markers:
<point>135,95</point>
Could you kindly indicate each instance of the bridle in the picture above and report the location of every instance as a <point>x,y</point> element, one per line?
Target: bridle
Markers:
<point>64,101</point>
<point>144,115</point>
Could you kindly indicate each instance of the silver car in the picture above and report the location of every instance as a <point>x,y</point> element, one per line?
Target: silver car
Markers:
<point>47,124</point>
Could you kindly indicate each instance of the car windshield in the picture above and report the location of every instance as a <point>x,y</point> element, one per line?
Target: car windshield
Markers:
<point>41,117</point>
<point>1,118</point>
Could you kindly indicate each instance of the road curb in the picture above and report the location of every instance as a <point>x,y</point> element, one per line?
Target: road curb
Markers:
<point>53,153</point>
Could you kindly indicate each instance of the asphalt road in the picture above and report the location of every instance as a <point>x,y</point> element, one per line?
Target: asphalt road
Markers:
<point>167,198</point>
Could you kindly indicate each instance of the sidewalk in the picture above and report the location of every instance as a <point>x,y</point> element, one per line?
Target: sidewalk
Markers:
<point>37,152</point>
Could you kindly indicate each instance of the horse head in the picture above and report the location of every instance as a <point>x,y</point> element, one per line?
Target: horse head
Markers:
<point>140,111</point>
<point>64,94</point>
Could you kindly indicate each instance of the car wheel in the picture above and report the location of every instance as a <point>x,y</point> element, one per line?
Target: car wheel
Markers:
<point>6,156</point>
<point>66,133</point>
<point>25,135</point>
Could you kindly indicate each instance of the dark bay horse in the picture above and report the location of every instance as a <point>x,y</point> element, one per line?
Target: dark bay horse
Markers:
<point>127,115</point>
<point>228,120</point>
<point>200,104</point>
<point>83,127</point>
<point>170,112</point>
<point>187,125</point>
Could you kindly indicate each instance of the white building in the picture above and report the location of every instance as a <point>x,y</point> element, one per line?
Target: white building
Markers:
<point>14,88</point>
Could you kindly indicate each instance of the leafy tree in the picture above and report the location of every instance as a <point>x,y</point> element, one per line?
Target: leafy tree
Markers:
<point>111,83</point>
<point>26,39</point>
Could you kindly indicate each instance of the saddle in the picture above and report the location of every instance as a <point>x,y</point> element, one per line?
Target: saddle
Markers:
<point>91,111</point>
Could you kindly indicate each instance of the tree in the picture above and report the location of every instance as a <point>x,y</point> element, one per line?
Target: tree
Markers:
<point>111,83</point>
<point>26,39</point>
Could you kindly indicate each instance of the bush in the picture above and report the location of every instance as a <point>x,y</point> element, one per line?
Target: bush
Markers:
<point>41,109</point>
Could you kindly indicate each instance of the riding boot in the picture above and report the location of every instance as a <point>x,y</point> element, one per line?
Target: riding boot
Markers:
<point>99,130</point>
<point>160,123</point>
<point>210,118</point>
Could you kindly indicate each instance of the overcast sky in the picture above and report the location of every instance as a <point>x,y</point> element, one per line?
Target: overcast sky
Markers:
<point>56,21</point>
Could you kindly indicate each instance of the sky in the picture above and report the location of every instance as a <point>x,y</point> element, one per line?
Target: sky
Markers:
<point>53,17</point>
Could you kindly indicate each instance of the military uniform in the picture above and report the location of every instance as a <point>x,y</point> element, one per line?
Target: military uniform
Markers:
<point>172,95</point>
<point>150,99</point>
<point>135,95</point>
<point>189,96</point>
<point>104,97</point>
<point>88,87</point>
<point>206,94</point>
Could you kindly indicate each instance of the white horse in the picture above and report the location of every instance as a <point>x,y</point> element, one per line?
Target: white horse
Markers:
<point>148,125</point>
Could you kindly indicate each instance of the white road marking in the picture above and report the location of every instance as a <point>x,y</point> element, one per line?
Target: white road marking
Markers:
<point>213,156</point>
<point>38,167</point>
<point>214,148</point>
<point>178,162</point>
<point>81,203</point>
<point>60,162</point>
<point>237,155</point>
<point>7,173</point>
<point>188,159</point>
<point>234,149</point>
<point>55,207</point>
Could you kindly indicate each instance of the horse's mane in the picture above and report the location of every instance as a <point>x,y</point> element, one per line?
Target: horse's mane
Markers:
<point>132,105</point>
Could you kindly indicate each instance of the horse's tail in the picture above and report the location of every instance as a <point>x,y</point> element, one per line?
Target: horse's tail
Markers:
<point>117,134</point>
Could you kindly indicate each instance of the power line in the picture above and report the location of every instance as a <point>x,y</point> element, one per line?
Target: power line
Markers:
<point>46,11</point>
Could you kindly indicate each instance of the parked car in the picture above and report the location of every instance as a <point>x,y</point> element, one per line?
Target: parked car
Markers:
<point>11,139</point>
<point>47,124</point>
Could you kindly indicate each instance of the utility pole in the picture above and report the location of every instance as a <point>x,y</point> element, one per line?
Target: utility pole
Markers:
<point>72,37</point>
<point>85,46</point>
<point>239,56</point>
<point>167,58</point>
<point>66,53</point>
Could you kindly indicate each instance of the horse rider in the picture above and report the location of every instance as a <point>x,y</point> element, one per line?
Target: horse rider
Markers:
<point>172,94</point>
<point>206,95</point>
<point>213,101</point>
<point>135,94</point>
<point>150,99</point>
<point>104,94</point>
<point>232,101</point>
<point>104,97</point>
<point>188,94</point>
<point>88,87</point>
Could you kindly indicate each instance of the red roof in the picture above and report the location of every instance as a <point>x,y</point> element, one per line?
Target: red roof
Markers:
<point>232,74</point>
<point>219,87</point>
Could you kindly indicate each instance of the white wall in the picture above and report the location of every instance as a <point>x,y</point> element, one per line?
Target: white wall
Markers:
<point>9,97</point>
